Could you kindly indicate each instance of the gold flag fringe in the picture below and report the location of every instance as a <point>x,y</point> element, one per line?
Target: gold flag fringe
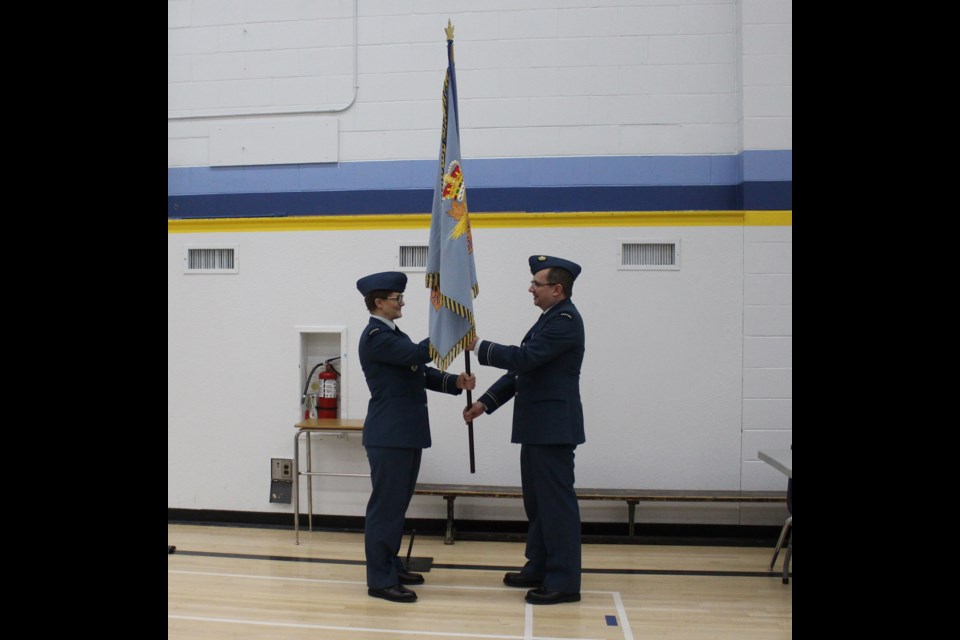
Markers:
<point>433,283</point>
<point>443,361</point>
<point>443,132</point>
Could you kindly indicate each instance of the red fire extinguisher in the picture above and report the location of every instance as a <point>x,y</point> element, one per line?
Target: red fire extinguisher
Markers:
<point>327,394</point>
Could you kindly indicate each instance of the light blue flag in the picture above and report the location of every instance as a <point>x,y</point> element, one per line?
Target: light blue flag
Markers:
<point>451,273</point>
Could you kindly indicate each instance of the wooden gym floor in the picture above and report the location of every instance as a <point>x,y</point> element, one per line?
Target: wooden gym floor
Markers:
<point>254,582</point>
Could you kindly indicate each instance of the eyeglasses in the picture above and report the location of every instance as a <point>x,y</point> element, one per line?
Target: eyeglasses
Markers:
<point>398,298</point>
<point>534,283</point>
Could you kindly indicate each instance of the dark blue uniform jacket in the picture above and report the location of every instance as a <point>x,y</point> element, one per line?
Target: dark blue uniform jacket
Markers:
<point>397,376</point>
<point>543,378</point>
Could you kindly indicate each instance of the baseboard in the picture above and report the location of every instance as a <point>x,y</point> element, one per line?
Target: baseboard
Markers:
<point>592,532</point>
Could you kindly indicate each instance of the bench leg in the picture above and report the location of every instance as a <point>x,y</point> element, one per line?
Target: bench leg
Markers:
<point>631,514</point>
<point>449,538</point>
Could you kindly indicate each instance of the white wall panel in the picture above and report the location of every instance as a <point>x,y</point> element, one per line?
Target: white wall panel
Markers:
<point>768,234</point>
<point>588,81</point>
<point>676,139</point>
<point>381,87</point>
<point>273,141</point>
<point>391,145</point>
<point>767,414</point>
<point>394,116</point>
<point>702,19</point>
<point>768,133</point>
<point>767,351</point>
<point>767,288</point>
<point>767,70</point>
<point>179,13</point>
<point>301,10</point>
<point>621,51</point>
<point>490,143</point>
<point>401,57</point>
<point>768,320</point>
<point>294,63</point>
<point>592,140</point>
<point>470,27</point>
<point>767,11</point>
<point>214,12</point>
<point>219,66</point>
<point>311,93</point>
<point>708,49</point>
<point>179,69</point>
<point>755,441</point>
<point>768,39</point>
<point>522,82</point>
<point>192,41</point>
<point>768,257</point>
<point>406,28</point>
<point>388,7</point>
<point>301,54</point>
<point>190,151</point>
<point>670,418</point>
<point>595,22</point>
<point>768,383</point>
<point>707,138</point>
<point>528,25</point>
<point>712,108</point>
<point>481,85</point>
<point>767,60</point>
<point>768,101</point>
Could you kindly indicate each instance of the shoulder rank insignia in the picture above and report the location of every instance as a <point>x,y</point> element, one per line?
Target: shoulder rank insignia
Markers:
<point>373,331</point>
<point>413,367</point>
<point>566,315</point>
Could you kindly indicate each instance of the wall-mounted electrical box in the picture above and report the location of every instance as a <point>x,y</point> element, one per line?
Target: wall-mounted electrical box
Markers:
<point>281,469</point>
<point>281,480</point>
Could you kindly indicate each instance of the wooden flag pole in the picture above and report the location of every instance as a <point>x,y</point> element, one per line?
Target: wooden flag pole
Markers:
<point>473,468</point>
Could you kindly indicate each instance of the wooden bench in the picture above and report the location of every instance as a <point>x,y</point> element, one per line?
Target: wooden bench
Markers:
<point>632,497</point>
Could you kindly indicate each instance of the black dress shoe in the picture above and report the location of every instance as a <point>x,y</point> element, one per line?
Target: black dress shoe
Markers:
<point>543,596</point>
<point>396,593</point>
<point>407,577</point>
<point>515,579</point>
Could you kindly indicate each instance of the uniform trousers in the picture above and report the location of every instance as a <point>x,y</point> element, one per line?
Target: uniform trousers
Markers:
<point>550,502</point>
<point>393,476</point>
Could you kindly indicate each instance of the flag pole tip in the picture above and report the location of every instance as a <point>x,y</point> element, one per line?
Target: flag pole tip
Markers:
<point>449,29</point>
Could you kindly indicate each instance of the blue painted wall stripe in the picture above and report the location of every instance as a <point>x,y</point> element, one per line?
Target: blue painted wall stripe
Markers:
<point>775,166</point>
<point>654,183</point>
<point>765,195</point>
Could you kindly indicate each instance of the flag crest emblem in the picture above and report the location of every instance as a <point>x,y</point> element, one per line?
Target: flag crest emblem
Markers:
<point>453,182</point>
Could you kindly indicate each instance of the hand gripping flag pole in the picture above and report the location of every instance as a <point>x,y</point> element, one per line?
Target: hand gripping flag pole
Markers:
<point>451,273</point>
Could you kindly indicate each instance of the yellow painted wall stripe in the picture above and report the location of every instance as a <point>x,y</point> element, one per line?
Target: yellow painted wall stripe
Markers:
<point>488,221</point>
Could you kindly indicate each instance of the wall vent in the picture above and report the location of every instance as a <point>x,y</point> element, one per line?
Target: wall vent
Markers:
<point>650,255</point>
<point>210,260</point>
<point>413,257</point>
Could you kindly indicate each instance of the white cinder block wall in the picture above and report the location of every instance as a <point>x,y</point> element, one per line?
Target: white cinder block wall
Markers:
<point>767,94</point>
<point>687,373</point>
<point>536,77</point>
